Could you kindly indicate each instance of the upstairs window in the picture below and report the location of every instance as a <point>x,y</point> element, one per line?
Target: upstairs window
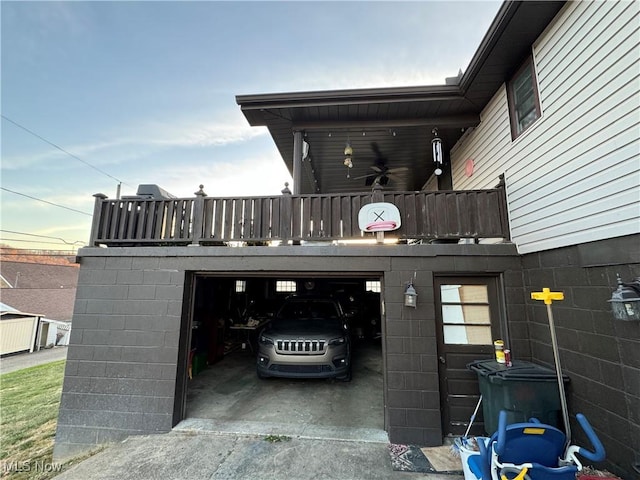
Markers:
<point>522,95</point>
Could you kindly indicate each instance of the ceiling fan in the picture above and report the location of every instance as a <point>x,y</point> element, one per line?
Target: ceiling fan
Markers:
<point>382,173</point>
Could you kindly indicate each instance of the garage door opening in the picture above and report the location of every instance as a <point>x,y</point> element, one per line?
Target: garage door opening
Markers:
<point>227,317</point>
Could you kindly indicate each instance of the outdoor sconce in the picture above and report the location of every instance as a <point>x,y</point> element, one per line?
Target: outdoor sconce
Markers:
<point>625,301</point>
<point>410,296</point>
<point>436,146</point>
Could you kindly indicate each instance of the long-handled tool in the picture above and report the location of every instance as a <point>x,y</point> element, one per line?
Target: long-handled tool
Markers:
<point>548,297</point>
<point>473,417</point>
<point>463,442</point>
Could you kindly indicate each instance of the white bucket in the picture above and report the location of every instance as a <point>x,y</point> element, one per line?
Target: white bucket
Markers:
<point>467,448</point>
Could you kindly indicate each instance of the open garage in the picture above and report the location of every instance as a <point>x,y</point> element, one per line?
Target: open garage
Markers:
<point>227,315</point>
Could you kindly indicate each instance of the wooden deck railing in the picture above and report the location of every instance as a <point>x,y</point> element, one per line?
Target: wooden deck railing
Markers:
<point>257,220</point>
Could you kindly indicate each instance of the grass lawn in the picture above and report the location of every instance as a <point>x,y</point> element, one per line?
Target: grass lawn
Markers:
<point>29,402</point>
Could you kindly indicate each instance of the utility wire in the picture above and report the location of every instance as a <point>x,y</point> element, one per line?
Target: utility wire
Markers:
<point>43,236</point>
<point>45,201</point>
<point>32,241</point>
<point>63,150</point>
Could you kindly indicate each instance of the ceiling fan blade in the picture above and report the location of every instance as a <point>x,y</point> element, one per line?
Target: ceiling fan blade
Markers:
<point>397,169</point>
<point>393,177</point>
<point>364,176</point>
<point>375,168</point>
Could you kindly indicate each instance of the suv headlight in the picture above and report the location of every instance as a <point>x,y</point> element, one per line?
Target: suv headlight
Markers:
<point>263,339</point>
<point>338,341</point>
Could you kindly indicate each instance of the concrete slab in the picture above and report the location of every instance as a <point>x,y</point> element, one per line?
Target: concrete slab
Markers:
<point>311,432</point>
<point>179,455</point>
<point>230,391</point>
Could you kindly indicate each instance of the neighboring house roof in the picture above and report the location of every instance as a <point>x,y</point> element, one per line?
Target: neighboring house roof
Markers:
<point>37,275</point>
<point>397,121</point>
<point>7,311</point>
<point>53,303</point>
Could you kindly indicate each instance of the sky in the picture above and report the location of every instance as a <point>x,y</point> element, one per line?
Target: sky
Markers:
<point>101,93</point>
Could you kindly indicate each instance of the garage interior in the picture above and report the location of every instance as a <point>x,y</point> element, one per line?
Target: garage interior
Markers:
<point>228,312</point>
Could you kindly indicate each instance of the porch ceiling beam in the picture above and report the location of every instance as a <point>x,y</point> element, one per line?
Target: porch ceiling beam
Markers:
<point>454,121</point>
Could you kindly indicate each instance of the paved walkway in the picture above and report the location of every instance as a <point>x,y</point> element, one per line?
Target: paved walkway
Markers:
<point>25,360</point>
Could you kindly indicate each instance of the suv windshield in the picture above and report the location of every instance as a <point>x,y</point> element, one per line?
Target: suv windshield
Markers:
<point>308,313</point>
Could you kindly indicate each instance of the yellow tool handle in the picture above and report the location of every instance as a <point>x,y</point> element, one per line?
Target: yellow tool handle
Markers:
<point>547,296</point>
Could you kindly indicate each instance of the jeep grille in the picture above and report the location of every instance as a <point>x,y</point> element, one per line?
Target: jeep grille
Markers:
<point>301,347</point>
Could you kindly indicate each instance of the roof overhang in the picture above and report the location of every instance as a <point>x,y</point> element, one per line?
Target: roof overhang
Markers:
<point>394,125</point>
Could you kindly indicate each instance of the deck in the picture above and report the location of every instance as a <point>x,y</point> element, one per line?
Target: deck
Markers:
<point>202,220</point>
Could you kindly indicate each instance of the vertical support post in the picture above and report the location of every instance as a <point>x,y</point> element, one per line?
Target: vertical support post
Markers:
<point>297,162</point>
<point>198,216</point>
<point>377,196</point>
<point>96,220</point>
<point>286,212</point>
<point>504,209</point>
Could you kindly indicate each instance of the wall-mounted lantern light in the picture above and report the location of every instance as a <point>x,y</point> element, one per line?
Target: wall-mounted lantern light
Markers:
<point>625,301</point>
<point>436,146</point>
<point>410,296</point>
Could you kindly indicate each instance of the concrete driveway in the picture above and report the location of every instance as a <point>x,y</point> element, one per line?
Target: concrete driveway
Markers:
<point>207,449</point>
<point>185,455</point>
<point>25,360</point>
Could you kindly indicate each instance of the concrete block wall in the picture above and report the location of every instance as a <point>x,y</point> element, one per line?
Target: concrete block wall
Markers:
<point>601,355</point>
<point>122,370</point>
<point>121,365</point>
<point>413,393</point>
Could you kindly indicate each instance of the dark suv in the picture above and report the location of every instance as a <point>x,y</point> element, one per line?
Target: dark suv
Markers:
<point>308,338</point>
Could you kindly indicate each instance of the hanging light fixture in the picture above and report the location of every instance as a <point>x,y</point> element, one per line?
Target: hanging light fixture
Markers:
<point>410,296</point>
<point>348,152</point>
<point>436,147</point>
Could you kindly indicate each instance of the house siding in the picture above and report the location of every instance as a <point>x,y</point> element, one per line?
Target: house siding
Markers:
<point>574,175</point>
<point>123,359</point>
<point>599,354</point>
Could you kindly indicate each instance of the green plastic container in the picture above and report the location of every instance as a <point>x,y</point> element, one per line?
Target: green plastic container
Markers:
<point>524,390</point>
<point>199,363</point>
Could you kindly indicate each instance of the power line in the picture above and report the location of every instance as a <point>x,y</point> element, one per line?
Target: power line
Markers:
<point>43,236</point>
<point>31,241</point>
<point>45,201</point>
<point>63,150</point>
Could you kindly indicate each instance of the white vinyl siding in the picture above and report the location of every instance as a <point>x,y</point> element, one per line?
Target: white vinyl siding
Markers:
<point>574,176</point>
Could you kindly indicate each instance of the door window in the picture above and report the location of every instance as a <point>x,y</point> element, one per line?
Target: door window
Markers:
<point>466,316</point>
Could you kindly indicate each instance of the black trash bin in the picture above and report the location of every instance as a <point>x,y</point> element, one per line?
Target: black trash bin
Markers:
<point>524,390</point>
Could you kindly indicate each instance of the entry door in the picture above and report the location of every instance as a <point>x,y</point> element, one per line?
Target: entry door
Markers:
<point>468,321</point>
